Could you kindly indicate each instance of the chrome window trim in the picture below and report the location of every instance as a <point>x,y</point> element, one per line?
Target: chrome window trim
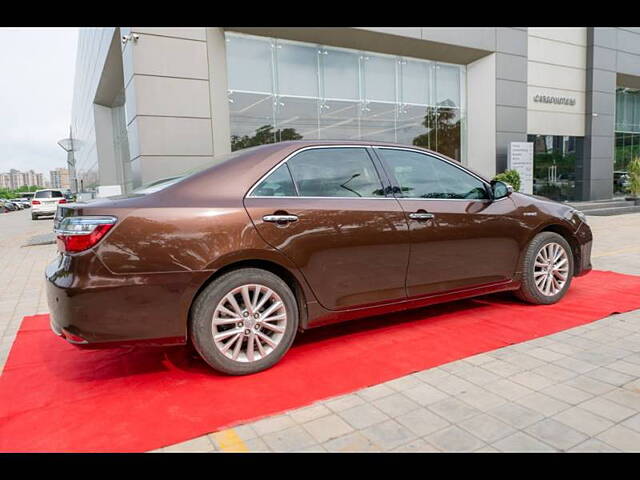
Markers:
<point>409,149</point>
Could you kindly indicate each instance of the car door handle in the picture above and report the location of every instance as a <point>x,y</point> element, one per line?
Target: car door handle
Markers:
<point>421,216</point>
<point>280,218</point>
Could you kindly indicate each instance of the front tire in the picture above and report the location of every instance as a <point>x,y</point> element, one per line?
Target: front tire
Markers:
<point>34,217</point>
<point>244,321</point>
<point>547,269</point>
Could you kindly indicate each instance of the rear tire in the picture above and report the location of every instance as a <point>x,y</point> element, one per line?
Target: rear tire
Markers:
<point>547,269</point>
<point>240,346</point>
<point>34,217</point>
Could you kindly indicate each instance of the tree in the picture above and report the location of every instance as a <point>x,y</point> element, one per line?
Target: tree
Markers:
<point>263,135</point>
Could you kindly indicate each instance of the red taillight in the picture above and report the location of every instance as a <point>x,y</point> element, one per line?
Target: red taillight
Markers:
<point>62,200</point>
<point>76,234</point>
<point>78,243</point>
<point>35,202</point>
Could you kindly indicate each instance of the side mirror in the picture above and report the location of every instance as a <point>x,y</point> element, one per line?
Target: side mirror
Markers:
<point>500,189</point>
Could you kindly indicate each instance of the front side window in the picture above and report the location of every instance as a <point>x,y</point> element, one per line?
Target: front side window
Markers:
<point>277,184</point>
<point>335,172</point>
<point>425,176</point>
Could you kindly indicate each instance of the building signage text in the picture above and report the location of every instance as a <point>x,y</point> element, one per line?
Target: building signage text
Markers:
<point>553,99</point>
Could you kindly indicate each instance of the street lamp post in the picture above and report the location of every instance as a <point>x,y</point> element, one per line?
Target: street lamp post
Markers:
<point>67,145</point>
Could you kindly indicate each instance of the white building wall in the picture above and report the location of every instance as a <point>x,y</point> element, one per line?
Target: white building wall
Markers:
<point>557,62</point>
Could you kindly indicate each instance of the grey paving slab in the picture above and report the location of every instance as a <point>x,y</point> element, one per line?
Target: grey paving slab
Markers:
<point>352,442</point>
<point>425,394</point>
<point>453,410</point>
<point>416,446</point>
<point>608,375</point>
<point>375,392</point>
<point>388,434</point>
<point>608,409</point>
<point>487,427</point>
<point>566,394</point>
<point>481,398</point>
<point>363,416</point>
<point>289,440</point>
<point>592,445</point>
<point>345,402</point>
<point>309,413</point>
<point>273,424</point>
<point>396,404</point>
<point>422,421</point>
<point>454,439</point>
<point>200,444</point>
<point>583,421</point>
<point>544,404</point>
<point>516,415</point>
<point>327,427</point>
<point>633,422</point>
<point>622,438</point>
<point>522,442</point>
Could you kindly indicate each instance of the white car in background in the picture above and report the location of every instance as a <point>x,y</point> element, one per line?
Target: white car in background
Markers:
<point>45,202</point>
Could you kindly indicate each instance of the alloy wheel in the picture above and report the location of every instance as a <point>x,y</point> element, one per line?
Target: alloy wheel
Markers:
<point>551,269</point>
<point>249,323</point>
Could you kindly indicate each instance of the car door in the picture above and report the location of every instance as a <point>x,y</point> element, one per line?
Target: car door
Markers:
<point>325,208</point>
<point>460,238</point>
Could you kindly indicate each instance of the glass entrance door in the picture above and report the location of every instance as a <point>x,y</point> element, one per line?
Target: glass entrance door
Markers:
<point>556,159</point>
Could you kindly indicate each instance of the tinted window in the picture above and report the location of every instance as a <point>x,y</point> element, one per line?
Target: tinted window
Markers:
<point>278,184</point>
<point>49,194</point>
<point>424,176</point>
<point>335,172</point>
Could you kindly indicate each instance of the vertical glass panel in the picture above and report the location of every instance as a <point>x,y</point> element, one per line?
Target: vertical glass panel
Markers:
<point>341,78</point>
<point>628,112</point>
<point>415,81</point>
<point>296,118</point>
<point>447,85</point>
<point>555,162</point>
<point>415,126</point>
<point>297,67</point>
<point>249,64</point>
<point>252,120</point>
<point>339,120</point>
<point>619,109</point>
<point>379,78</point>
<point>378,122</point>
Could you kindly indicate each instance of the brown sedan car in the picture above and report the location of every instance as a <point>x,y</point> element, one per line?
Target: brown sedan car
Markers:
<point>272,240</point>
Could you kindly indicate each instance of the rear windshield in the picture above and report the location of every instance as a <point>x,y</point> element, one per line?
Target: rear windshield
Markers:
<point>163,183</point>
<point>48,194</point>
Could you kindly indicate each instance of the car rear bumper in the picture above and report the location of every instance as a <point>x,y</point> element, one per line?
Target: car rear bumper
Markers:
<point>91,307</point>
<point>44,209</point>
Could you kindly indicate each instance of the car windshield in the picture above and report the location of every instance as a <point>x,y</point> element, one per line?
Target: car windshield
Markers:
<point>163,183</point>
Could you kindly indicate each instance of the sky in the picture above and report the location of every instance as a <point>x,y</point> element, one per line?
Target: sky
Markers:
<point>36,85</point>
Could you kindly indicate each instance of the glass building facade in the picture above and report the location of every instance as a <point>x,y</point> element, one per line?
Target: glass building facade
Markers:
<point>283,90</point>
<point>627,134</point>
<point>557,163</point>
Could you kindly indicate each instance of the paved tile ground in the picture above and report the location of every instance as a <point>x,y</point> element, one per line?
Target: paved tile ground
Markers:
<point>575,391</point>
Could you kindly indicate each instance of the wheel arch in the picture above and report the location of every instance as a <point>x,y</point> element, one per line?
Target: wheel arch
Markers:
<point>271,266</point>
<point>566,233</point>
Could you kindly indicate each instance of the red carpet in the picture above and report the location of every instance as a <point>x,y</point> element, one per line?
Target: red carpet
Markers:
<point>54,397</point>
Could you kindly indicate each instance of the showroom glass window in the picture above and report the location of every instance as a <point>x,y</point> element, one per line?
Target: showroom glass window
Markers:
<point>283,90</point>
<point>556,162</point>
<point>627,135</point>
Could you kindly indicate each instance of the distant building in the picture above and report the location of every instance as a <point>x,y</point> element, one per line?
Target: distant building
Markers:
<point>59,178</point>
<point>15,179</point>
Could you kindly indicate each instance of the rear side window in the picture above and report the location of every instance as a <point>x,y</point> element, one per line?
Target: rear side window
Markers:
<point>49,194</point>
<point>278,184</point>
<point>335,172</point>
